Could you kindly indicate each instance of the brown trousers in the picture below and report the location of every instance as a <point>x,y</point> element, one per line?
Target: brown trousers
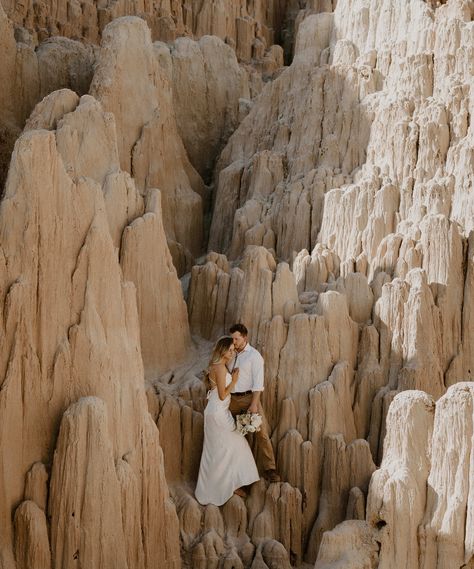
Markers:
<point>240,404</point>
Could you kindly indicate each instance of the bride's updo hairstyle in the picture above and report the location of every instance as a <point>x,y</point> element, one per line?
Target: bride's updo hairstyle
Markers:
<point>220,348</point>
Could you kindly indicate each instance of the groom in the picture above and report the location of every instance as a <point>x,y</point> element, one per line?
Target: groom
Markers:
<point>246,394</point>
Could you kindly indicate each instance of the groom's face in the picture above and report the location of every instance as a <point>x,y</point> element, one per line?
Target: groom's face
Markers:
<point>239,340</point>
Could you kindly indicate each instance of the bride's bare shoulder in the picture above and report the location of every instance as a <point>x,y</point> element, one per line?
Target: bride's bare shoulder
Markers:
<point>218,369</point>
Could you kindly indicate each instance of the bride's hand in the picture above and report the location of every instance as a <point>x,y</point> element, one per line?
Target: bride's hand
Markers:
<point>235,374</point>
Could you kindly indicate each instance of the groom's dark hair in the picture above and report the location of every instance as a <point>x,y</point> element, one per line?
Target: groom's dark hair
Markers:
<point>239,328</point>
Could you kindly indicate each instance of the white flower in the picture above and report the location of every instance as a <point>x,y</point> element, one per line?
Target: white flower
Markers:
<point>248,423</point>
<point>256,421</point>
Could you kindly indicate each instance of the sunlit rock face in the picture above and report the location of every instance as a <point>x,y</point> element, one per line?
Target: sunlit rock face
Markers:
<point>360,147</point>
<point>419,510</point>
<point>325,204</point>
<point>351,167</point>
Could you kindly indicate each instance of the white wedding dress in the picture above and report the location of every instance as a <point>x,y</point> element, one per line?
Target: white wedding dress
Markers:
<point>227,462</point>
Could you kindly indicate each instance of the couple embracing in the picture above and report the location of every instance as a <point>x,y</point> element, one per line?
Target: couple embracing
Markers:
<point>235,377</point>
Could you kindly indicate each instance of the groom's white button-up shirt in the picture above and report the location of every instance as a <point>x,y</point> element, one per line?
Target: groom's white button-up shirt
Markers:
<point>250,363</point>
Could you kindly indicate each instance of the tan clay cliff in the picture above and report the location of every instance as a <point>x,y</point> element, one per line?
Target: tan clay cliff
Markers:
<point>170,168</point>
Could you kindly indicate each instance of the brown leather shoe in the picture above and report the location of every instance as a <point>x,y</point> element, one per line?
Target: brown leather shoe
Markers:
<point>271,475</point>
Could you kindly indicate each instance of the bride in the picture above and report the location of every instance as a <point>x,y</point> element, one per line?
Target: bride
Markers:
<point>227,462</point>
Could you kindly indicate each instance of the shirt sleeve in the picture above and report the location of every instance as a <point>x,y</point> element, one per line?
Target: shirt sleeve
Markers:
<point>257,372</point>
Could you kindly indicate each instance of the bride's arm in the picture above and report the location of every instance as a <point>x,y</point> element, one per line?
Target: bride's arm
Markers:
<point>222,390</point>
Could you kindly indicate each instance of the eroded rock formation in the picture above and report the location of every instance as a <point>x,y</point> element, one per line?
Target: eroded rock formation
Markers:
<point>70,330</point>
<point>28,75</point>
<point>241,22</point>
<point>350,153</point>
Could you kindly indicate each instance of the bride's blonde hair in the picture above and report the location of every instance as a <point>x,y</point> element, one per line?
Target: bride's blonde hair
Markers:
<point>219,349</point>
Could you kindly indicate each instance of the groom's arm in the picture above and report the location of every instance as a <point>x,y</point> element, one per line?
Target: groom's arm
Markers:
<point>255,404</point>
<point>257,378</point>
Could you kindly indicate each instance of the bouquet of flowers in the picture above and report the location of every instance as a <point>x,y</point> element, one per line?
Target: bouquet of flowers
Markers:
<point>248,423</point>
